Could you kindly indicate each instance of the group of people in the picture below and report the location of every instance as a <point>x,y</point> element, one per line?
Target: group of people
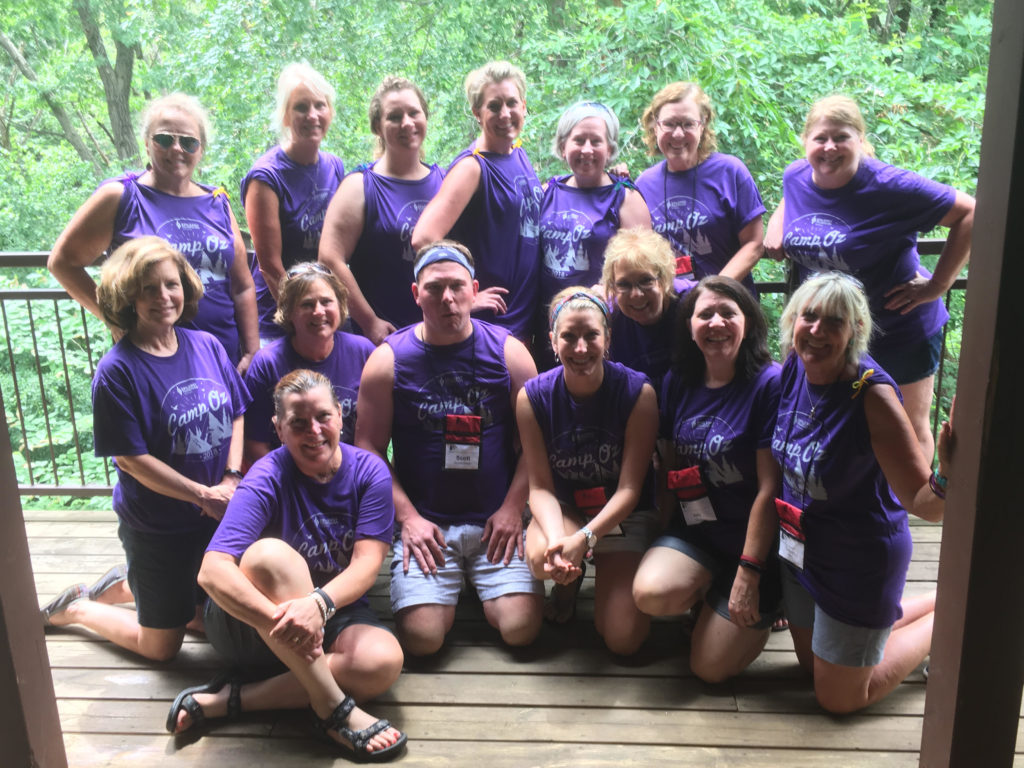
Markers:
<point>544,376</point>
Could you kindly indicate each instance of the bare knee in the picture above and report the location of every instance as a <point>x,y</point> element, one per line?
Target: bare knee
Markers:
<point>422,628</point>
<point>160,644</point>
<point>517,617</point>
<point>839,702</point>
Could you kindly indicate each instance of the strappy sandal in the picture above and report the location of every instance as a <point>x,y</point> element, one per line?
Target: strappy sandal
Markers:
<point>60,603</point>
<point>114,576</point>
<point>186,701</point>
<point>338,721</point>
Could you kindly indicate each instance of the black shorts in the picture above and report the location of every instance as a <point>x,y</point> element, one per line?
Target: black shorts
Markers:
<point>241,644</point>
<point>162,570</point>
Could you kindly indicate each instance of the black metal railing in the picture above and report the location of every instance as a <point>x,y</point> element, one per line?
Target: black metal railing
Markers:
<point>52,347</point>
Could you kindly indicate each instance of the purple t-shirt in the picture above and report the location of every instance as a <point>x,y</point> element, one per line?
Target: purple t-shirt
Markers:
<point>343,367</point>
<point>500,226</point>
<point>703,210</point>
<point>433,382</point>
<point>575,227</point>
<point>320,521</point>
<point>585,439</point>
<point>303,194</point>
<point>383,257</point>
<point>868,229</point>
<point>179,409</point>
<point>720,430</point>
<point>200,228</point>
<point>858,542</point>
<point>646,348</point>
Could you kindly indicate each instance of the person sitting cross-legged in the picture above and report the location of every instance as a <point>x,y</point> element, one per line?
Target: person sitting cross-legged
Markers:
<point>287,573</point>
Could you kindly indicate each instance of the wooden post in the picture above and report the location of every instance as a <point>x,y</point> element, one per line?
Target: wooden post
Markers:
<point>977,665</point>
<point>29,726</point>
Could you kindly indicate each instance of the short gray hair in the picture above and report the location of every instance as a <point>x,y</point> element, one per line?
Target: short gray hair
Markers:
<point>579,112</point>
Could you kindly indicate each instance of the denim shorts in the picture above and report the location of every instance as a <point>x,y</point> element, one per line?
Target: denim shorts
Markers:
<point>912,362</point>
<point>723,572</point>
<point>162,571</point>
<point>241,644</point>
<point>832,640</point>
<point>465,555</point>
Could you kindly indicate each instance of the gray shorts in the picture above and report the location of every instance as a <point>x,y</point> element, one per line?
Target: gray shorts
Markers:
<point>637,532</point>
<point>464,556</point>
<point>832,640</point>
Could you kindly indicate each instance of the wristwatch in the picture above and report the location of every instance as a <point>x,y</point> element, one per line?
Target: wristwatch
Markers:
<point>589,536</point>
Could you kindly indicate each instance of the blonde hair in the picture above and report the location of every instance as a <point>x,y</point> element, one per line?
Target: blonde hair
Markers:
<point>836,294</point>
<point>492,72</point>
<point>577,298</point>
<point>291,77</point>
<point>122,275</point>
<point>180,102</point>
<point>842,110</point>
<point>670,94</point>
<point>639,248</point>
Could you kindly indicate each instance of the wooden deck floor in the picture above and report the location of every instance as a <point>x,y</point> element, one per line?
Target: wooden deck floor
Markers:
<point>563,702</point>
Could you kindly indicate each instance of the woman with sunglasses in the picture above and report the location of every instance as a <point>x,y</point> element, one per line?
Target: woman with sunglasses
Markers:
<point>638,280</point>
<point>490,202</point>
<point>582,210</point>
<point>367,239</point>
<point>312,304</point>
<point>588,429</point>
<point>287,190</point>
<point>166,201</point>
<point>705,202</point>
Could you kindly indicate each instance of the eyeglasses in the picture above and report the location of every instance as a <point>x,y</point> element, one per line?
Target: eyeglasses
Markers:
<point>307,267</point>
<point>644,285</point>
<point>189,144</point>
<point>688,126</point>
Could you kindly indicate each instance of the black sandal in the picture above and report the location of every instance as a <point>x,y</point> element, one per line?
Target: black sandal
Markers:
<point>560,607</point>
<point>186,701</point>
<point>338,721</point>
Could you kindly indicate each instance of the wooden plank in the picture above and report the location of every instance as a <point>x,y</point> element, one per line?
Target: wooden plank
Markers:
<point>95,750</point>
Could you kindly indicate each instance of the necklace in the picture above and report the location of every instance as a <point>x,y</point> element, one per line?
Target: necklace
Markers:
<point>814,403</point>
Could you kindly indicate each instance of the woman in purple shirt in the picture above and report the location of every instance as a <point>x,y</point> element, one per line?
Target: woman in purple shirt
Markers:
<point>165,200</point>
<point>852,468</point>
<point>367,239</point>
<point>718,410</point>
<point>705,202</point>
<point>490,202</point>
<point>588,429</point>
<point>167,405</point>
<point>287,190</point>
<point>312,305</point>
<point>287,573</point>
<point>844,210</point>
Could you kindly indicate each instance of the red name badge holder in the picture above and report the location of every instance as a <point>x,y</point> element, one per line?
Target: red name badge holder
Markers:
<point>462,438</point>
<point>791,533</point>
<point>692,494</point>
<point>590,501</point>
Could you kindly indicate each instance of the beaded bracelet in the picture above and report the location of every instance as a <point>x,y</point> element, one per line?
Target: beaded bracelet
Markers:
<point>320,605</point>
<point>938,484</point>
<point>329,607</point>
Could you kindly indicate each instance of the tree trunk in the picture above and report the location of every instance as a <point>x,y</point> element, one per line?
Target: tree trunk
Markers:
<point>51,101</point>
<point>117,82</point>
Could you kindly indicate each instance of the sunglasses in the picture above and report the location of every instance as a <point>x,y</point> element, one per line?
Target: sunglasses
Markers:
<point>309,268</point>
<point>189,144</point>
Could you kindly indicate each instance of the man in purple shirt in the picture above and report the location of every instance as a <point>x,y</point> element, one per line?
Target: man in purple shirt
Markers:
<point>443,393</point>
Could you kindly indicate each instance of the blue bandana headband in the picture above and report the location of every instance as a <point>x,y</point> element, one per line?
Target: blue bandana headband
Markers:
<point>441,253</point>
<point>573,297</point>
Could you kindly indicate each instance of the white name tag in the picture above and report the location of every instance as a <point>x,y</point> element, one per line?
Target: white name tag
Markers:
<point>697,511</point>
<point>791,549</point>
<point>461,456</point>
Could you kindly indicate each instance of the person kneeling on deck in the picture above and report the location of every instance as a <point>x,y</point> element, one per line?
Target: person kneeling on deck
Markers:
<point>288,571</point>
<point>443,391</point>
